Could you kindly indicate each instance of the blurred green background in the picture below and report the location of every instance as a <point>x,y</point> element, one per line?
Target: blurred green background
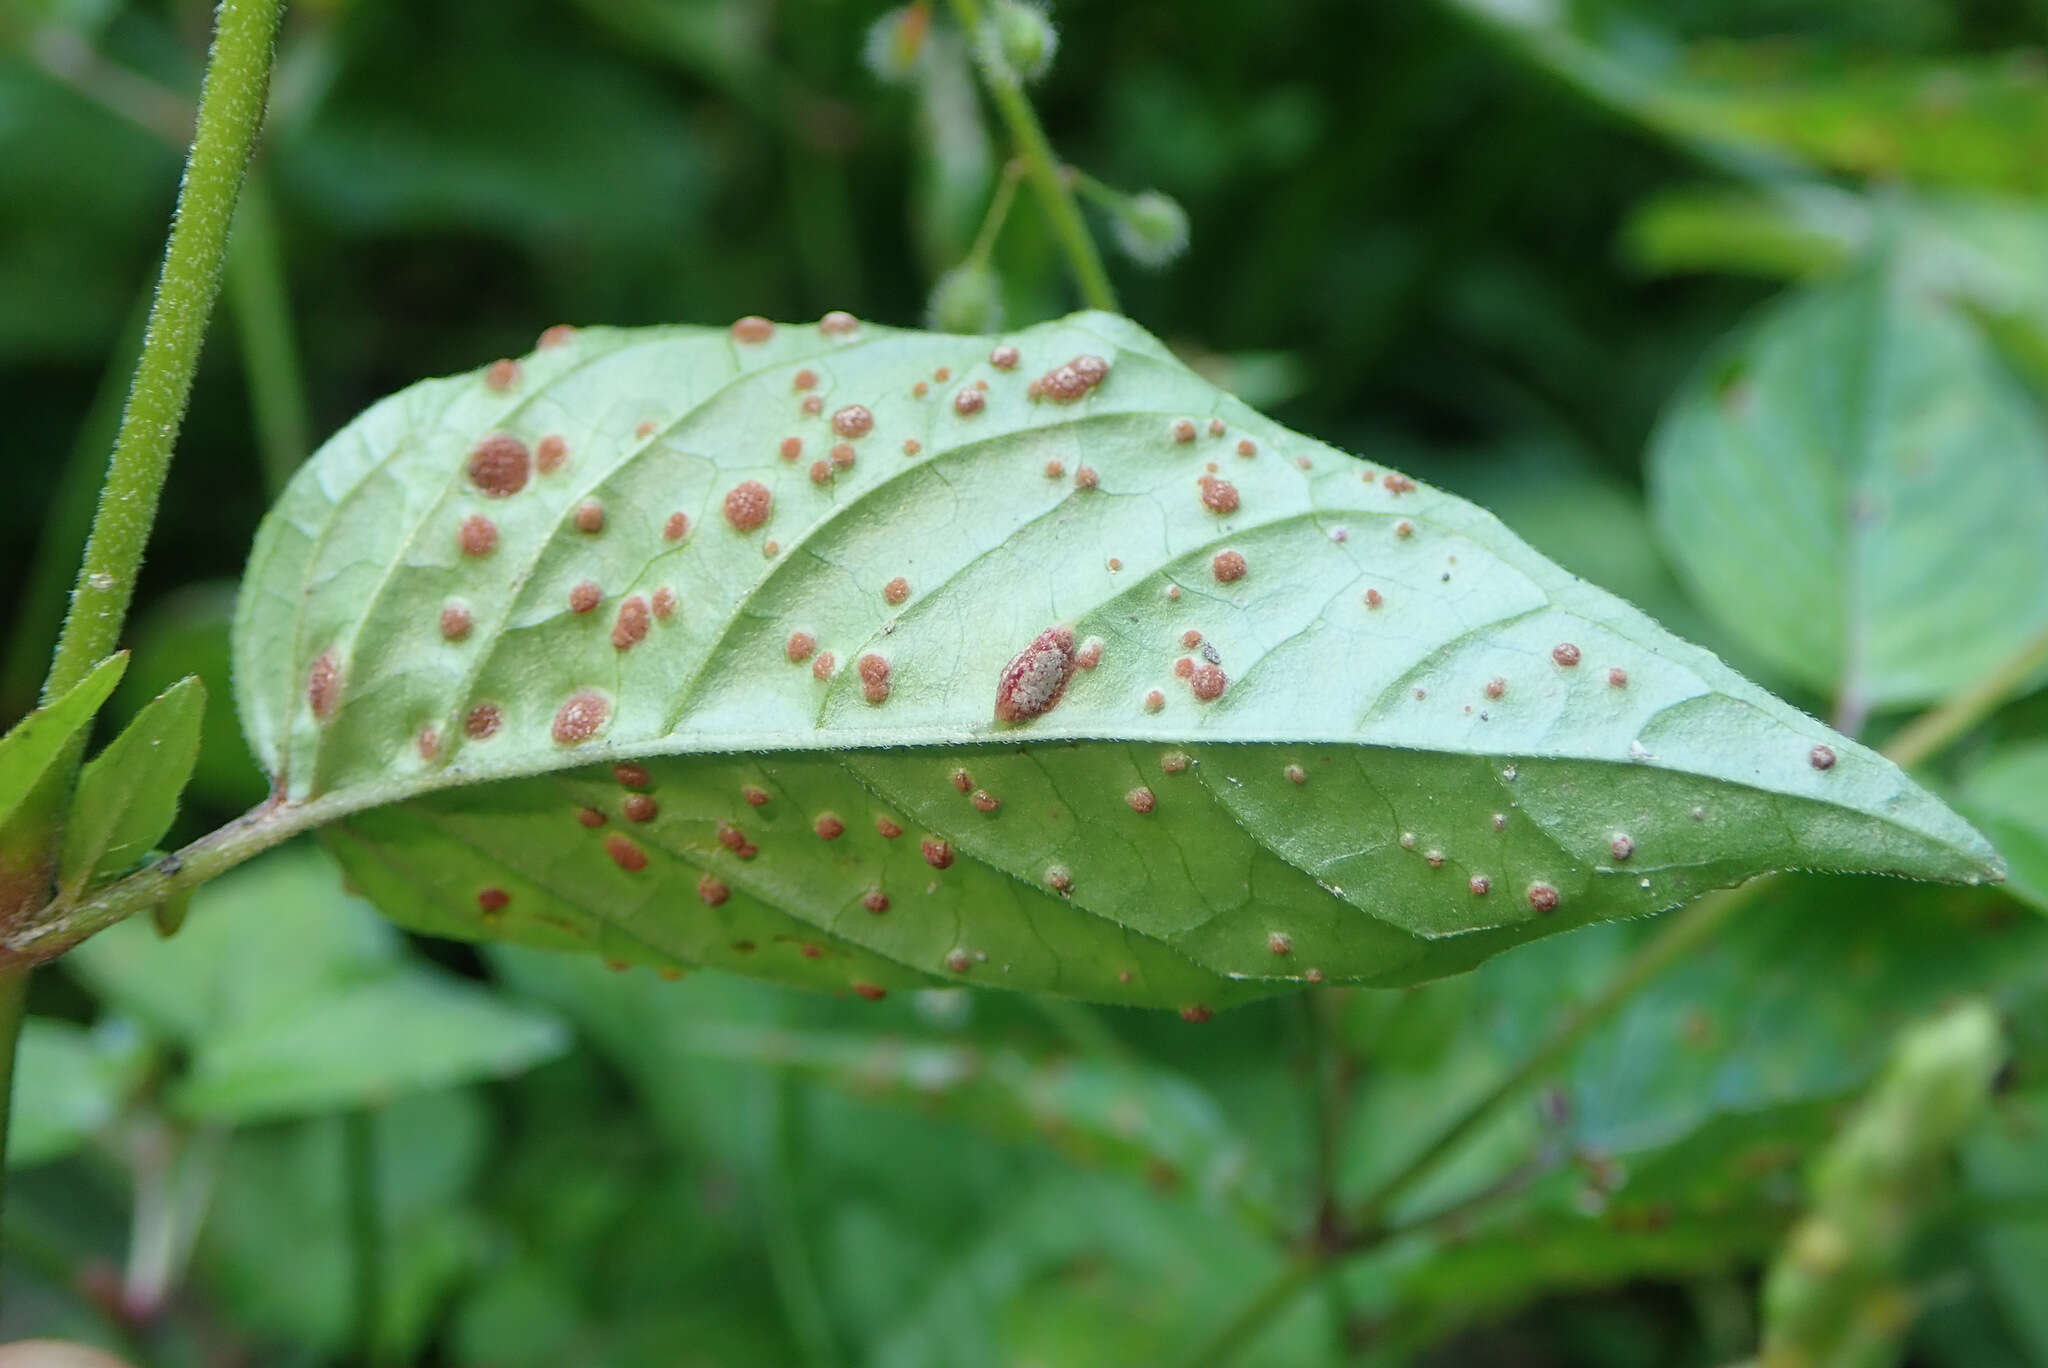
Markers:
<point>1485,240</point>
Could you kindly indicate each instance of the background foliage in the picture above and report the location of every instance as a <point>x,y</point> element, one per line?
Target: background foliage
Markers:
<point>1524,250</point>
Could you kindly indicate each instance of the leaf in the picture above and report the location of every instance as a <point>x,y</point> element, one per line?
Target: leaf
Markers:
<point>1859,492</point>
<point>30,796</point>
<point>2006,795</point>
<point>127,796</point>
<point>186,633</point>
<point>69,1084</point>
<point>1420,720</point>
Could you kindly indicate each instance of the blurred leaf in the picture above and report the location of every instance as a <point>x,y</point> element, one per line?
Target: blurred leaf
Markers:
<point>2005,1166</point>
<point>69,1083</point>
<point>1144,1122</point>
<point>381,666</point>
<point>2007,795</point>
<point>186,633</point>
<point>362,1044</point>
<point>128,794</point>
<point>275,1250</point>
<point>1858,491</point>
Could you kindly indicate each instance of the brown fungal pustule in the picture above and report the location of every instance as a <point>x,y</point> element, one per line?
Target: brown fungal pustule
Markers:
<point>842,456</point>
<point>1821,757</point>
<point>1071,382</point>
<point>838,323</point>
<point>503,375</point>
<point>920,389</point>
<point>1141,799</point>
<point>428,744</point>
<point>804,379</point>
<point>1182,430</point>
<point>1565,654</point>
<point>644,428</point>
<point>1374,598</point>
<point>1055,470</point>
<point>799,647</point>
<point>959,961</point>
<point>581,716</point>
<point>1404,529</point>
<point>498,465</point>
<point>323,685</point>
<point>853,421</point>
<point>1216,427</point>
<point>1173,593</point>
<point>809,951</point>
<point>625,854</point>
<point>1622,846</point>
<point>984,801</point>
<point>1174,762</point>
<point>1247,447</point>
<point>961,781</point>
<point>560,335</point>
<point>1397,484</point>
<point>664,603</point>
<point>1004,357</point>
<point>823,667</point>
<point>1542,898</point>
<point>482,721</point>
<point>1085,477</point>
<point>873,992</point>
<point>640,807</point>
<point>1496,687</point>
<point>875,901</point>
<point>896,590</point>
<point>1617,678</point>
<point>632,776</point>
<point>828,826</point>
<point>630,627</point>
<point>1296,774</point>
<point>753,329</point>
<point>968,401</point>
<point>1280,943</point>
<point>887,829</point>
<point>1090,654</point>
<point>943,374</point>
<point>790,448</point>
<point>676,528</point>
<point>937,853</point>
<point>1036,677</point>
<point>1184,668</point>
<point>754,796</point>
<point>455,621</point>
<point>747,505</point>
<point>1500,821</point>
<point>1218,496</point>
<point>911,446</point>
<point>1228,566</point>
<point>1480,885</point>
<point>1304,463</point>
<point>821,472</point>
<point>713,892</point>
<point>550,453</point>
<point>874,678</point>
<point>590,817</point>
<point>590,517</point>
<point>1195,1014</point>
<point>731,837</point>
<point>1433,858</point>
<point>814,404</point>
<point>1154,700</point>
<point>1208,682</point>
<point>584,596</point>
<point>1059,878</point>
<point>1190,639</point>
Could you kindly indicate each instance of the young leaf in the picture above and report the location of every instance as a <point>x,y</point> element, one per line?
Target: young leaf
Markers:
<point>1859,491</point>
<point>797,651</point>
<point>128,795</point>
<point>28,800</point>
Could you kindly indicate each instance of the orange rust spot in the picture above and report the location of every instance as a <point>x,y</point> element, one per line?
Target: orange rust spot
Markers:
<point>581,716</point>
<point>590,517</point>
<point>1141,799</point>
<point>752,329</point>
<point>984,801</point>
<point>804,379</point>
<point>842,456</point>
<point>747,505</point>
<point>428,743</point>
<point>664,603</point>
<point>1184,668</point>
<point>889,830</point>
<point>455,622</point>
<point>799,647</point>
<point>755,797</point>
<point>968,401</point>
<point>1085,477</point>
<point>625,854</point>
<point>1821,757</point>
<point>1247,447</point>
<point>823,666</point>
<point>498,465</point>
<point>838,323</point>
<point>853,421</point>
<point>482,721</point>
<point>632,776</point>
<point>1617,678</point>
<point>1208,682</point>
<point>896,590</point>
<point>559,335</point>
<point>1542,898</point>
<point>1228,567</point>
<point>1004,357</point>
<point>585,596</point>
<point>875,901</point>
<point>874,678</point>
<point>550,454</point>
<point>791,448</point>
<point>640,807</point>
<point>676,528</point>
<point>821,472</point>
<point>502,375</point>
<point>1036,677</point>
<point>323,686</point>
<point>1565,654</point>
<point>1195,1014</point>
<point>1218,496</point>
<point>492,899</point>
<point>1183,430</point>
<point>713,893</point>
<point>590,817</point>
<point>911,446</point>
<point>828,826</point>
<point>937,853</point>
<point>872,992</point>
<point>1154,701</point>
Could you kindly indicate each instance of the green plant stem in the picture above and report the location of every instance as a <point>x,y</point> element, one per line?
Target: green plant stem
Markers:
<point>261,304</point>
<point>1043,171</point>
<point>1938,728</point>
<point>796,1282</point>
<point>998,213</point>
<point>365,1232</point>
<point>230,112</point>
<point>1240,1330</point>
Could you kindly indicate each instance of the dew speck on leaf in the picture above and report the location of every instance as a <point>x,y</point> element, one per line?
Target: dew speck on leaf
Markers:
<point>747,505</point>
<point>640,807</point>
<point>1037,676</point>
<point>676,528</point>
<point>581,716</point>
<point>1218,496</point>
<point>753,329</point>
<point>323,686</point>
<point>712,892</point>
<point>1565,654</point>
<point>482,721</point>
<point>874,678</point>
<point>1407,840</point>
<point>1228,567</point>
<point>853,421</point>
<point>1141,799</point>
<point>1821,757</point>
<point>828,826</point>
<point>498,465</point>
<point>549,455</point>
<point>625,854</point>
<point>937,853</point>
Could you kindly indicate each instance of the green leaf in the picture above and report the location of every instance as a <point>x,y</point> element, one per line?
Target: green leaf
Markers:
<point>1420,720</point>
<point>363,1044</point>
<point>69,1083</point>
<point>1859,492</point>
<point>30,796</point>
<point>2007,795</point>
<point>128,795</point>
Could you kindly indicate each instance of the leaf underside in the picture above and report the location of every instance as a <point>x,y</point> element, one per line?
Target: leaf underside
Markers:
<point>1429,742</point>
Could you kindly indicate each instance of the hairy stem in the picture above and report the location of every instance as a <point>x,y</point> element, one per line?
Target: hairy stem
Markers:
<point>1042,169</point>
